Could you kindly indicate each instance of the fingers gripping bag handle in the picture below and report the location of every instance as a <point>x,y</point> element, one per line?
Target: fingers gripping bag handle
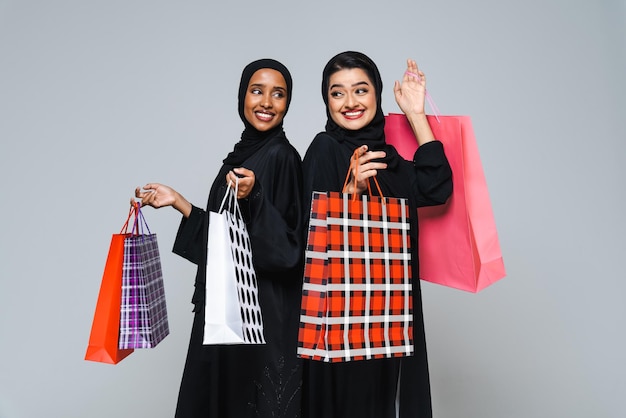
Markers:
<point>354,162</point>
<point>231,196</point>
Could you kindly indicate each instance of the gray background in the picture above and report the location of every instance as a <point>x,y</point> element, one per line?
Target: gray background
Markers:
<point>97,97</point>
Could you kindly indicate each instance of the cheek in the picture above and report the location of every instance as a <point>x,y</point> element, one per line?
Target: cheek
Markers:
<point>335,112</point>
<point>249,102</point>
<point>371,102</point>
<point>281,107</point>
<point>248,113</point>
<point>334,107</point>
<point>372,108</point>
<point>336,118</point>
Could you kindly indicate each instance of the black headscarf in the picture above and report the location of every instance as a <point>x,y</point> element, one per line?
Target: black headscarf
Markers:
<point>372,135</point>
<point>252,139</point>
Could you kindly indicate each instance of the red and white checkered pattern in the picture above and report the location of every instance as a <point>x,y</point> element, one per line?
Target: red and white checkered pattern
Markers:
<point>357,293</point>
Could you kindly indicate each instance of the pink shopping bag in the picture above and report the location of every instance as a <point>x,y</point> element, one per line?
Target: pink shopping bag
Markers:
<point>458,241</point>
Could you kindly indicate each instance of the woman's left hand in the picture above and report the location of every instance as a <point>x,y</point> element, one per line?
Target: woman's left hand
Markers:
<point>410,94</point>
<point>365,168</point>
<point>246,181</point>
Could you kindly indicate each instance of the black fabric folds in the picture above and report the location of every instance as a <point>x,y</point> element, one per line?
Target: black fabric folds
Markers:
<point>251,381</point>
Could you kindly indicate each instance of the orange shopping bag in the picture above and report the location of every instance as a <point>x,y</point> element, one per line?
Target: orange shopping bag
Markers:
<point>103,340</point>
<point>458,241</point>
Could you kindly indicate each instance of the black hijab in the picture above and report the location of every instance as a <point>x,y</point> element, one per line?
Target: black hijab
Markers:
<point>251,139</point>
<point>372,135</point>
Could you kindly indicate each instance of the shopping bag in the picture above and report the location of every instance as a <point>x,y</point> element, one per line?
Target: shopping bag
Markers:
<point>458,241</point>
<point>357,290</point>
<point>232,312</point>
<point>143,321</point>
<point>103,340</point>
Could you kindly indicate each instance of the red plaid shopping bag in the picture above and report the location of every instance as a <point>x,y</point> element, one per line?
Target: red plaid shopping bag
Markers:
<point>357,291</point>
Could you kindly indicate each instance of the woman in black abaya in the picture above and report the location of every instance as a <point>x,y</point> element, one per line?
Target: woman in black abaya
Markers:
<point>351,89</point>
<point>239,381</point>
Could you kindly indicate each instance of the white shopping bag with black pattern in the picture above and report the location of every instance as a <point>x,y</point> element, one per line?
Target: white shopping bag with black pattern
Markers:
<point>232,312</point>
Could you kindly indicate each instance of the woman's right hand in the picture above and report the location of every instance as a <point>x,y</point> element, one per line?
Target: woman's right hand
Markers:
<point>156,195</point>
<point>159,195</point>
<point>364,169</point>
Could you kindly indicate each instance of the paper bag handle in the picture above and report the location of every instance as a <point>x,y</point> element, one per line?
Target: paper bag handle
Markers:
<point>231,195</point>
<point>138,223</point>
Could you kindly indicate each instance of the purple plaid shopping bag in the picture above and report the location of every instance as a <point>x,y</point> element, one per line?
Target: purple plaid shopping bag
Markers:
<point>143,313</point>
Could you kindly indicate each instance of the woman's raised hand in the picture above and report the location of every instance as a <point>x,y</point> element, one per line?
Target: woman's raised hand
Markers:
<point>364,169</point>
<point>410,94</point>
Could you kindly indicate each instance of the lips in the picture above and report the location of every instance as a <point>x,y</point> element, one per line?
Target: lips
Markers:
<point>264,116</point>
<point>353,114</point>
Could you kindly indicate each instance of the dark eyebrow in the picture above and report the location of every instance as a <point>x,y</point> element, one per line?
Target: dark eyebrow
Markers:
<point>264,85</point>
<point>360,83</point>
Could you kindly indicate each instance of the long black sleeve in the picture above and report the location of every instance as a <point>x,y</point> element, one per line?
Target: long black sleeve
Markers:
<point>273,212</point>
<point>432,184</point>
<point>191,235</point>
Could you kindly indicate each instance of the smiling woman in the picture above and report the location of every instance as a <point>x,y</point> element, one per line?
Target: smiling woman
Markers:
<point>351,98</point>
<point>249,380</point>
<point>265,104</point>
<point>351,89</point>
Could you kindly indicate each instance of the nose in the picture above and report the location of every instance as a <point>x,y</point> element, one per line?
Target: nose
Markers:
<point>351,101</point>
<point>267,100</point>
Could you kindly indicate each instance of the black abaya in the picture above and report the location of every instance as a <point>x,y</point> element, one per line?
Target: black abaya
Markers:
<point>367,389</point>
<point>251,380</point>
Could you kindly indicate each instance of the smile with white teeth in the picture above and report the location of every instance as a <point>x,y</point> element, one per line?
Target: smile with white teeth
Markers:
<point>353,113</point>
<point>264,116</point>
